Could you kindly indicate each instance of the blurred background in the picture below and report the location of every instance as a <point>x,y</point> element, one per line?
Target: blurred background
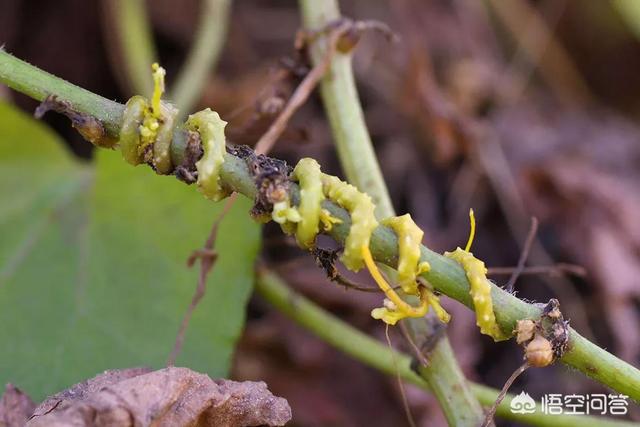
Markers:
<point>516,108</point>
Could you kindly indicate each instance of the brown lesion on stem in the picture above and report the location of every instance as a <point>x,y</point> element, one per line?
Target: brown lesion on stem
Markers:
<point>187,171</point>
<point>88,126</point>
<point>271,177</point>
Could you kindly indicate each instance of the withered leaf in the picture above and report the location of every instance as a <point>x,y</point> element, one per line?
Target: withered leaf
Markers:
<point>15,407</point>
<point>167,397</point>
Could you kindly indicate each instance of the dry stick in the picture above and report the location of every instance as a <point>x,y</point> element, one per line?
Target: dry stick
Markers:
<point>405,403</point>
<point>326,260</point>
<point>558,269</point>
<point>418,353</point>
<point>208,257</point>
<point>302,92</point>
<point>488,420</point>
<point>533,229</point>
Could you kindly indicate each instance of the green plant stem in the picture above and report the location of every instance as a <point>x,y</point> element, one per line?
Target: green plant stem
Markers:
<point>135,43</point>
<point>31,81</point>
<point>445,274</point>
<point>212,30</point>
<point>342,105</point>
<point>358,160</point>
<point>373,353</point>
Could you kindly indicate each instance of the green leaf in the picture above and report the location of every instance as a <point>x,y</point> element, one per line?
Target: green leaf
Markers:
<point>93,269</point>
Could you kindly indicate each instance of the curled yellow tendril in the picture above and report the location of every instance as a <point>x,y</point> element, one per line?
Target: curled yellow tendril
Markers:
<point>409,239</point>
<point>395,308</point>
<point>211,129</point>
<point>147,125</point>
<point>308,174</point>
<point>363,220</point>
<point>129,131</point>
<point>480,287</point>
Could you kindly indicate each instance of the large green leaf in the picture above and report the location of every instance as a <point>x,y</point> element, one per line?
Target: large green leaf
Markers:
<point>92,265</point>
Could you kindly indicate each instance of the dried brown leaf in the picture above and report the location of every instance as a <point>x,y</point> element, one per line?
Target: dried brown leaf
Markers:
<point>167,397</point>
<point>15,407</point>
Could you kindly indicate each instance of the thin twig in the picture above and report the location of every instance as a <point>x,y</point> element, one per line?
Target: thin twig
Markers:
<point>418,353</point>
<point>405,403</point>
<point>207,256</point>
<point>326,259</point>
<point>489,419</point>
<point>533,229</point>
<point>302,92</point>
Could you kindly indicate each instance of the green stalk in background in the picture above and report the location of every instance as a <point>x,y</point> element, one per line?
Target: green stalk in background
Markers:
<point>135,42</point>
<point>204,53</point>
<point>342,106</point>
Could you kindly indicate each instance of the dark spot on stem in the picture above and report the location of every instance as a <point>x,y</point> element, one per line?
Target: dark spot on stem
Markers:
<point>187,171</point>
<point>88,126</point>
<point>271,177</point>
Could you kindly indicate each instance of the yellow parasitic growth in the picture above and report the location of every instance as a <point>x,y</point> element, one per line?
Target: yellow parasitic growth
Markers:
<point>480,287</point>
<point>129,131</point>
<point>409,239</point>
<point>308,174</point>
<point>363,220</point>
<point>395,308</point>
<point>284,214</point>
<point>164,136</point>
<point>153,114</point>
<point>328,220</point>
<point>144,125</point>
<point>434,301</point>
<point>211,129</point>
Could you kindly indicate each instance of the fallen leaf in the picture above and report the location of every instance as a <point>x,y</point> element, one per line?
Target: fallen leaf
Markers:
<point>167,397</point>
<point>15,407</point>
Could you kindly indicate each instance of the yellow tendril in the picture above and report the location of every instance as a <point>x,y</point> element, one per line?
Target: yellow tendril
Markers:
<point>409,239</point>
<point>479,289</point>
<point>283,212</point>
<point>158,88</point>
<point>129,131</point>
<point>164,136</point>
<point>396,309</point>
<point>211,129</point>
<point>363,220</point>
<point>434,301</point>
<point>153,113</point>
<point>472,231</point>
<point>308,174</point>
<point>328,220</point>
